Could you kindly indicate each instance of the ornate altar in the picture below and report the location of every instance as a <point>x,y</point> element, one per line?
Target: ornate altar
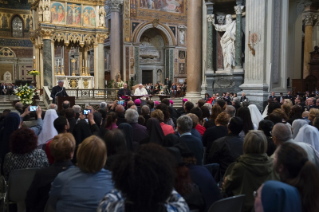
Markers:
<point>74,82</point>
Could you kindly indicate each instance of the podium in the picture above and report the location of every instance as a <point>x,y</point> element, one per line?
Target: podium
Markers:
<point>61,99</point>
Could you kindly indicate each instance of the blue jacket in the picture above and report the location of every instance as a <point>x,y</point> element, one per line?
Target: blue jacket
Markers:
<point>74,190</point>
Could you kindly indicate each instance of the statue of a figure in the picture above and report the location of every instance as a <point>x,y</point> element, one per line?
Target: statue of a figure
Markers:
<point>228,41</point>
<point>46,15</point>
<point>102,16</point>
<point>31,23</point>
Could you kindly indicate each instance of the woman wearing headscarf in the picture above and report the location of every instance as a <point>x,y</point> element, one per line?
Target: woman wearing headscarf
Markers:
<point>49,131</point>
<point>277,196</point>
<point>155,131</point>
<point>255,114</point>
<point>296,125</point>
<point>310,135</point>
<point>127,130</point>
<point>266,126</point>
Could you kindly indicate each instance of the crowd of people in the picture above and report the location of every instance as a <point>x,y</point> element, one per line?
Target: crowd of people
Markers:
<point>7,88</point>
<point>153,157</point>
<point>173,89</point>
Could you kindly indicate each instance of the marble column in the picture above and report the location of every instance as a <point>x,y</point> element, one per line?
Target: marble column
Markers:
<point>238,9</point>
<point>96,66</point>
<point>137,64</point>
<point>194,44</point>
<point>210,19</point>
<point>114,6</point>
<point>41,65</point>
<point>47,57</point>
<point>309,19</point>
<point>101,68</point>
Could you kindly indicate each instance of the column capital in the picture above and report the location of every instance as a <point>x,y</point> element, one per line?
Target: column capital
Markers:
<point>101,37</point>
<point>309,18</point>
<point>210,7</point>
<point>239,9</point>
<point>47,33</point>
<point>114,5</point>
<point>210,18</point>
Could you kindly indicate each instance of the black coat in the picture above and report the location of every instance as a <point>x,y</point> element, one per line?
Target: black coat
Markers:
<point>120,93</point>
<point>58,91</point>
<point>38,193</point>
<point>195,145</point>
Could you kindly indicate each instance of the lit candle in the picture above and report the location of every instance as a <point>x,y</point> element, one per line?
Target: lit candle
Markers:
<point>83,63</point>
<point>33,57</point>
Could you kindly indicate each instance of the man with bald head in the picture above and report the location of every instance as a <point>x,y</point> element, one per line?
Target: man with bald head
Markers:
<point>120,111</point>
<point>282,133</point>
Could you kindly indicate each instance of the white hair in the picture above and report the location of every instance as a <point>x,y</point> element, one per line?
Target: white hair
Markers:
<point>131,116</point>
<point>53,106</point>
<point>209,106</point>
<point>61,81</point>
<point>76,108</point>
<point>103,105</point>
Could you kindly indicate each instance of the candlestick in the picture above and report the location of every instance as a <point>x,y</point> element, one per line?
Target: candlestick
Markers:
<point>33,57</point>
<point>62,71</point>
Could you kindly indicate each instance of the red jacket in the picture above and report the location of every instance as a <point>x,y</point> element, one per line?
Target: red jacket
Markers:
<point>200,129</point>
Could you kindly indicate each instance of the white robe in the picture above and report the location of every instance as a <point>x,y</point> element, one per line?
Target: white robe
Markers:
<point>140,92</point>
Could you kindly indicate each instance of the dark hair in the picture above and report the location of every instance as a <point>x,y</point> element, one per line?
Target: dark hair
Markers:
<point>103,112</point>
<point>201,103</point>
<point>165,101</point>
<point>110,119</point>
<point>23,141</point>
<point>150,103</point>
<point>115,142</point>
<point>216,110</point>
<point>296,111</point>
<point>275,118</point>
<point>272,106</point>
<point>188,105</point>
<point>221,103</point>
<point>69,113</point>
<point>205,111</point>
<point>300,173</point>
<point>141,120</point>
<point>60,123</point>
<point>266,126</point>
<point>182,180</point>
<point>244,114</point>
<point>316,122</point>
<point>198,112</point>
<point>164,109</point>
<point>236,125</point>
<point>145,178</point>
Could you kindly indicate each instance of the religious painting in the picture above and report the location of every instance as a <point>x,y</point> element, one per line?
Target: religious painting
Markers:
<point>73,15</point>
<point>57,13</point>
<point>172,6</point>
<point>89,17</point>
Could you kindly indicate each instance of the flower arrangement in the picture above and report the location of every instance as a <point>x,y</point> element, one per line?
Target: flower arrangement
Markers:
<point>120,84</point>
<point>33,72</point>
<point>25,94</point>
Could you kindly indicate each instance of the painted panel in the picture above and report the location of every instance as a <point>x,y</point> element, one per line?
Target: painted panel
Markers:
<point>172,6</point>
<point>74,14</point>
<point>89,17</point>
<point>57,13</point>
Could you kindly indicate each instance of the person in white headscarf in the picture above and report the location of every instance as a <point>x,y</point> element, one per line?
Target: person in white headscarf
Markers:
<point>296,125</point>
<point>48,130</point>
<point>255,114</point>
<point>310,135</point>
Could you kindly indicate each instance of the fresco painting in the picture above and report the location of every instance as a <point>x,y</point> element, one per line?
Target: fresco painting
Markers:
<point>89,17</point>
<point>173,6</point>
<point>57,13</point>
<point>74,15</point>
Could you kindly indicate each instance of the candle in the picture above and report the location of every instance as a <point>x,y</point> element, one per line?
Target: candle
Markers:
<point>33,57</point>
<point>83,63</point>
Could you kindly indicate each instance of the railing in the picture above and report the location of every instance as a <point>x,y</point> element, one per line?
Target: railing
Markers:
<point>108,93</point>
<point>47,99</point>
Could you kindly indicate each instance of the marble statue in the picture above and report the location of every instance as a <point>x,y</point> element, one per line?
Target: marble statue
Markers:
<point>31,23</point>
<point>102,16</point>
<point>46,15</point>
<point>182,37</point>
<point>228,41</point>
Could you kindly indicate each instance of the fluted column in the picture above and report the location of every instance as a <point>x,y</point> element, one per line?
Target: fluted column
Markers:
<point>114,6</point>
<point>309,19</point>
<point>194,45</point>
<point>238,9</point>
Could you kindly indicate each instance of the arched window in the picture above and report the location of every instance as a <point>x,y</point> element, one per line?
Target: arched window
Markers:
<point>17,27</point>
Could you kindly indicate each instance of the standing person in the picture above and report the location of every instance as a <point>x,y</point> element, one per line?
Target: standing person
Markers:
<point>58,90</point>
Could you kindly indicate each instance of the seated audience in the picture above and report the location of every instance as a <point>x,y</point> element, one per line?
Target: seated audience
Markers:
<point>140,132</point>
<point>195,123</point>
<point>216,132</point>
<point>24,153</point>
<point>266,126</point>
<point>294,168</point>
<point>116,144</point>
<point>251,169</point>
<point>198,112</point>
<point>226,150</point>
<point>144,182</point>
<point>184,127</point>
<point>277,196</point>
<point>244,114</point>
<point>81,187</point>
<point>111,121</point>
<point>167,129</point>
<point>62,149</point>
<point>216,110</point>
